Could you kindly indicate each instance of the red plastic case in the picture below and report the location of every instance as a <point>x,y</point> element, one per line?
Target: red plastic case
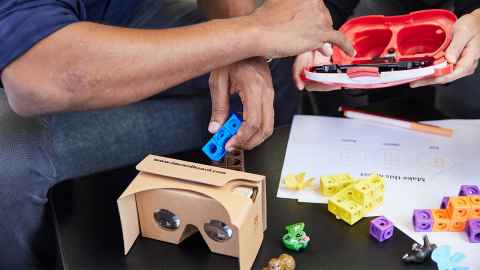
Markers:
<point>418,36</point>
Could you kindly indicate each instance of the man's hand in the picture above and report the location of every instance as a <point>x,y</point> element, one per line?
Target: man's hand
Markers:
<point>318,57</point>
<point>251,80</point>
<point>293,27</point>
<point>463,52</point>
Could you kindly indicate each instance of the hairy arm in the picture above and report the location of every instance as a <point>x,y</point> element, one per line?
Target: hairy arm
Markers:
<point>88,66</point>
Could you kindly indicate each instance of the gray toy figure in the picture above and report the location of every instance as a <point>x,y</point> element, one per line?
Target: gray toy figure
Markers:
<point>419,253</point>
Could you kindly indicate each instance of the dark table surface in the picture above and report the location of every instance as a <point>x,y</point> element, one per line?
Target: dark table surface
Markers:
<point>89,234</point>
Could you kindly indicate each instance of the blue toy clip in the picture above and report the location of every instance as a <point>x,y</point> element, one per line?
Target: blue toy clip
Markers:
<point>215,147</point>
<point>446,261</point>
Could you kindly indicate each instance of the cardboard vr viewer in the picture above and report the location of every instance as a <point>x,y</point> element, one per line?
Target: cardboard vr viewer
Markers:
<point>169,200</point>
<point>390,50</point>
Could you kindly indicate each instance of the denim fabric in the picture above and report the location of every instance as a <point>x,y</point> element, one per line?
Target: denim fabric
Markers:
<point>37,153</point>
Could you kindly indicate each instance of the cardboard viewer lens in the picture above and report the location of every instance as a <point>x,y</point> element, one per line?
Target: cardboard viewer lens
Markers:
<point>166,219</point>
<point>218,231</point>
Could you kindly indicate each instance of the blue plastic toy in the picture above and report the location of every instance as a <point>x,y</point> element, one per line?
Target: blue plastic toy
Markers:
<point>446,260</point>
<point>215,147</point>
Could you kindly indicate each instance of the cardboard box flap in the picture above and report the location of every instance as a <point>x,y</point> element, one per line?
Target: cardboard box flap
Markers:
<point>194,172</point>
<point>127,208</point>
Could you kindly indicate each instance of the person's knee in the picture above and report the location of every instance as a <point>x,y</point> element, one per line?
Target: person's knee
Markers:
<point>26,175</point>
<point>24,162</point>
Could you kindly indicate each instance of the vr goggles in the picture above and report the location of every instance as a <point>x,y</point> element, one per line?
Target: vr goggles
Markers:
<point>169,200</point>
<point>390,51</point>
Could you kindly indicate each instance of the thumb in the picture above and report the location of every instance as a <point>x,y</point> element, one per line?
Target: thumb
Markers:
<point>326,49</point>
<point>460,39</point>
<point>220,99</point>
<point>341,41</point>
<point>301,62</point>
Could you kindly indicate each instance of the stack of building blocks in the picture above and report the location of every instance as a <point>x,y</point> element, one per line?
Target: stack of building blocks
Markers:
<point>215,147</point>
<point>381,228</point>
<point>456,214</point>
<point>352,202</point>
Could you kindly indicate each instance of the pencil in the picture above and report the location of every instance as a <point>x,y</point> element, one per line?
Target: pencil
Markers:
<point>356,114</point>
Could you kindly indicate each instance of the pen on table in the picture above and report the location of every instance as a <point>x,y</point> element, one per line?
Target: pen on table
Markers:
<point>356,114</point>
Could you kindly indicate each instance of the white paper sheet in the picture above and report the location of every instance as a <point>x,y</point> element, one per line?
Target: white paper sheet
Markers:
<point>419,168</point>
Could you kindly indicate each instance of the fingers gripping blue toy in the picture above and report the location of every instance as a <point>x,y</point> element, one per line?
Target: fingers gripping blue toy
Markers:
<point>215,147</point>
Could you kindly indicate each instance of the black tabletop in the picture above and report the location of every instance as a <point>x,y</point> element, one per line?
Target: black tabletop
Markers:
<point>89,233</point>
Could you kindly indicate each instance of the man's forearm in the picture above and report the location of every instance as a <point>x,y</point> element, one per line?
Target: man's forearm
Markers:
<point>217,9</point>
<point>87,65</point>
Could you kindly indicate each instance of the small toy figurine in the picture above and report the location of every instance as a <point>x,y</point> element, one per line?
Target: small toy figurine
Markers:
<point>297,182</point>
<point>296,238</point>
<point>419,253</point>
<point>284,262</point>
<point>446,261</point>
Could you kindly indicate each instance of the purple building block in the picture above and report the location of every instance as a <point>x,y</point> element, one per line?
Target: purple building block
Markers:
<point>467,190</point>
<point>444,203</point>
<point>422,220</point>
<point>381,228</point>
<point>473,230</point>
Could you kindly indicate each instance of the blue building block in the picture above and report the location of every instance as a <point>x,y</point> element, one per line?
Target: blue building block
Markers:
<point>215,147</point>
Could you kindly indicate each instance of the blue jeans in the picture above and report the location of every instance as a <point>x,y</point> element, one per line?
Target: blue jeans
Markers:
<point>37,153</point>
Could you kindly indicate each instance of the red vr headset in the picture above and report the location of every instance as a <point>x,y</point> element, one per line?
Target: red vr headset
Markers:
<point>390,51</point>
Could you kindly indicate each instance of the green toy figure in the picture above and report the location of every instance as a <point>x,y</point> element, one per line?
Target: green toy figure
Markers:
<point>296,238</point>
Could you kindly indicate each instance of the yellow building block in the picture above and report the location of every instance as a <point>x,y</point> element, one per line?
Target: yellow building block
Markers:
<point>369,205</point>
<point>330,185</point>
<point>358,198</point>
<point>298,181</point>
<point>347,210</point>
<point>363,192</point>
<point>346,193</point>
<point>368,192</point>
<point>377,183</point>
<point>378,201</point>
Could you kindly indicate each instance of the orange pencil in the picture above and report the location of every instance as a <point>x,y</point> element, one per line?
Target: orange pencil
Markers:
<point>356,114</point>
